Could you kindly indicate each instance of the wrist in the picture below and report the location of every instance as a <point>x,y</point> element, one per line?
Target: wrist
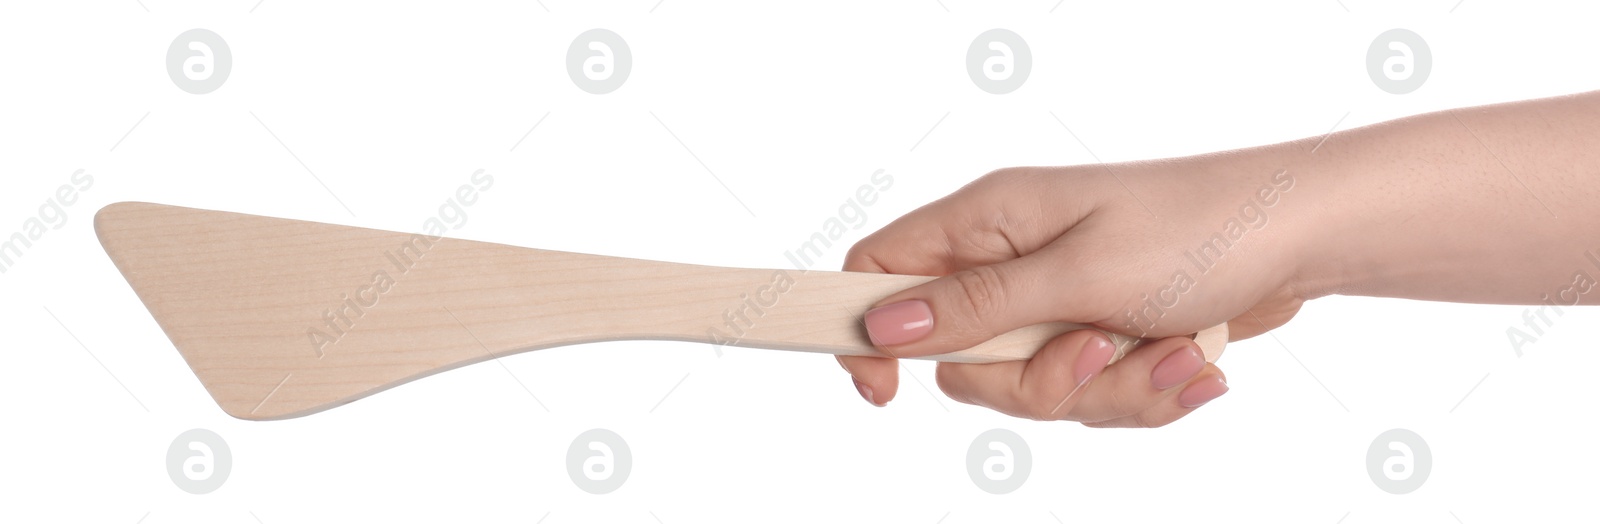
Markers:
<point>1342,201</point>
<point>1298,187</point>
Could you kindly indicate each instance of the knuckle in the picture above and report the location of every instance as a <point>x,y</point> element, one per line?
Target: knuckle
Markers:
<point>1141,420</point>
<point>1144,419</point>
<point>1006,180</point>
<point>983,292</point>
<point>1002,176</point>
<point>1042,409</point>
<point>854,253</point>
<point>1049,402</point>
<point>1120,404</point>
<point>859,257</point>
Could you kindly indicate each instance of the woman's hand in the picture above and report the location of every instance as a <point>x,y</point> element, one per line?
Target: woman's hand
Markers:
<point>1492,204</point>
<point>1150,250</point>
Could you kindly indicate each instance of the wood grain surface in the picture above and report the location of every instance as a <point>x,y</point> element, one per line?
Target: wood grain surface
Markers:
<point>283,318</point>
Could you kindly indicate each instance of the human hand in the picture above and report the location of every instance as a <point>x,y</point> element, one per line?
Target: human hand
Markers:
<point>1023,246</point>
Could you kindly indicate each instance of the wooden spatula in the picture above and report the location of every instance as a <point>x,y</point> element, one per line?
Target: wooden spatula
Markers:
<point>283,318</point>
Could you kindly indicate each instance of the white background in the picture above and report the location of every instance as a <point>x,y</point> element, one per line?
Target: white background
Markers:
<point>793,105</point>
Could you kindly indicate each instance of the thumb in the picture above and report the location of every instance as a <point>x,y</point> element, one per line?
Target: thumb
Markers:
<point>970,306</point>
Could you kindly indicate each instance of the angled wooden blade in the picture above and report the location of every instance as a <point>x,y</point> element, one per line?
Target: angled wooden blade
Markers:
<point>282,318</point>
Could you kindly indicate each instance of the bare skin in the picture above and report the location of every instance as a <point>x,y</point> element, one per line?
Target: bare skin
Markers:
<point>1493,204</point>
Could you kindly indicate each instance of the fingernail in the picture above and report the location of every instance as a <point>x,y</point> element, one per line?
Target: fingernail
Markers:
<point>1094,358</point>
<point>1177,368</point>
<point>1202,391</point>
<point>866,392</point>
<point>899,323</point>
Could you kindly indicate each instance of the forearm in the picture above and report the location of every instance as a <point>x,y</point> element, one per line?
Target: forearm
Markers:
<point>1494,204</point>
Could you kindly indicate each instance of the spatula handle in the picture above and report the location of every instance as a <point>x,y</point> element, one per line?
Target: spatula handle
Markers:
<point>821,311</point>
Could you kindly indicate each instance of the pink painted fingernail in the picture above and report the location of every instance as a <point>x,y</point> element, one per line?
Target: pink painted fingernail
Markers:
<point>899,323</point>
<point>1094,358</point>
<point>1202,391</point>
<point>866,392</point>
<point>1177,368</point>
